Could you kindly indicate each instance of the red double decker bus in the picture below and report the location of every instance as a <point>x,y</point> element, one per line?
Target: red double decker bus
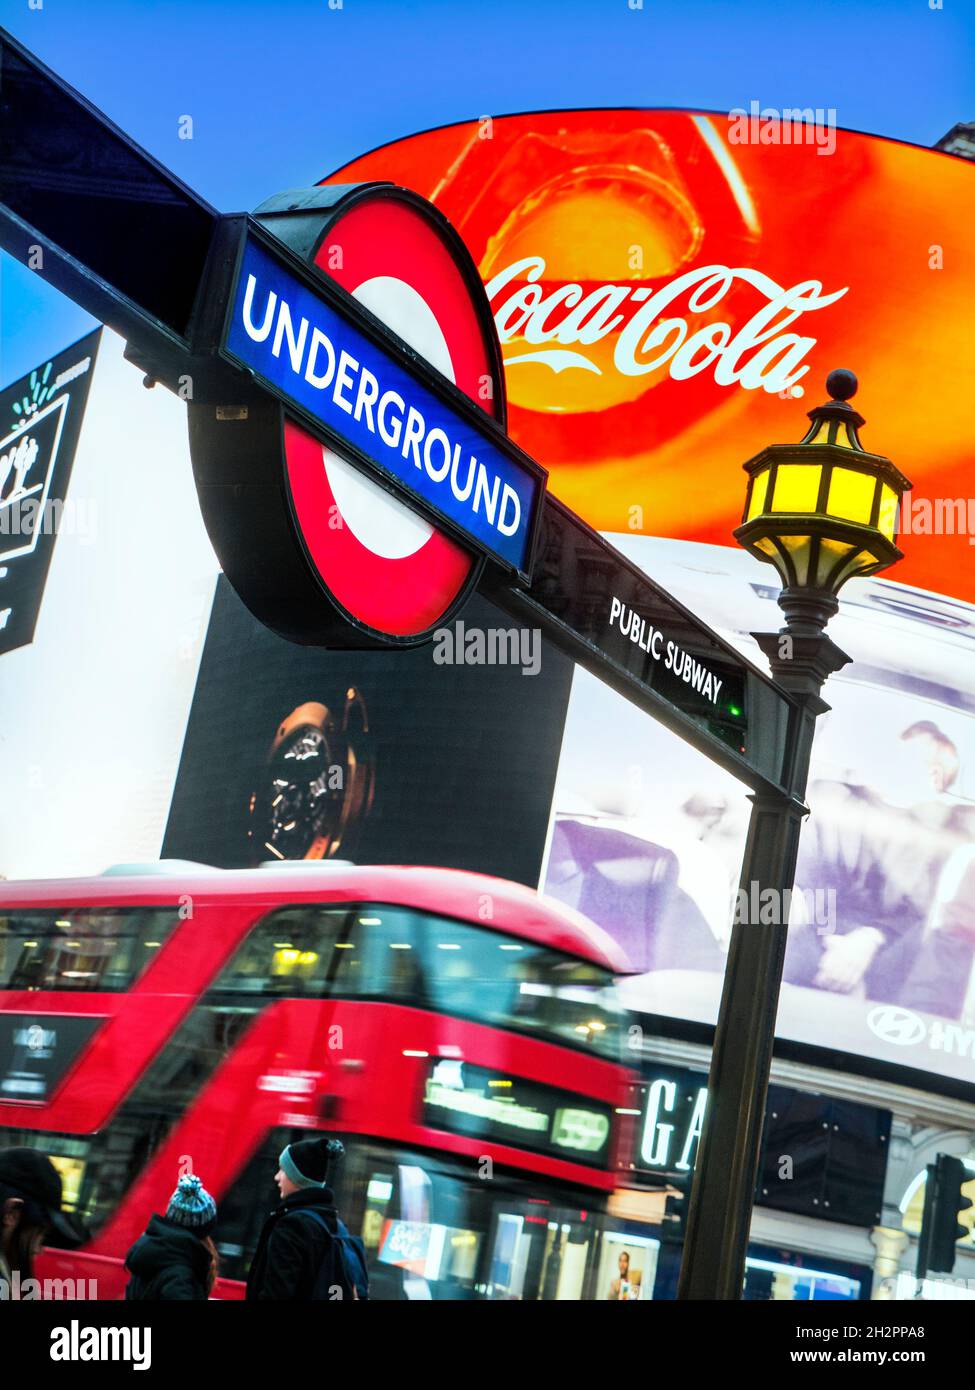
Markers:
<point>460,1033</point>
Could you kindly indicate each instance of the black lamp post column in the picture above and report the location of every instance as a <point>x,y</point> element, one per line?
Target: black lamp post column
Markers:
<point>726,1172</point>
<point>821,511</point>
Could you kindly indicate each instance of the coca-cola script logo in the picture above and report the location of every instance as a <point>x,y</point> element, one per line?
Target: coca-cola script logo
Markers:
<point>572,328</point>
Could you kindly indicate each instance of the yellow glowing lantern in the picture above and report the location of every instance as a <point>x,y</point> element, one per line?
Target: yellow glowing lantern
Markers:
<point>824,510</point>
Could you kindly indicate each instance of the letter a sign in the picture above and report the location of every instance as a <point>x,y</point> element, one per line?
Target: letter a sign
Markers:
<point>356,500</point>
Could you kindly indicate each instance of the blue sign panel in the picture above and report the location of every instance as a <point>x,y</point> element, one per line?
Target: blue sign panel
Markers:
<point>314,356</point>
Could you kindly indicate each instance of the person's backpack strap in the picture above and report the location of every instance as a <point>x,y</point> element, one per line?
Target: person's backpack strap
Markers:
<point>344,1265</point>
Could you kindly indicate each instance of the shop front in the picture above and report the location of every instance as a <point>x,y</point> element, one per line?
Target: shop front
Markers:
<point>820,1193</point>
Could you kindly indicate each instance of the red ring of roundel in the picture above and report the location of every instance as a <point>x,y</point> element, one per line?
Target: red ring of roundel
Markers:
<point>406,596</point>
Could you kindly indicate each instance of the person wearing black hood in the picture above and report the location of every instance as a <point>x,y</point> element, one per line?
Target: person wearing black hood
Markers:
<point>30,1209</point>
<point>303,1236</point>
<point>176,1260</point>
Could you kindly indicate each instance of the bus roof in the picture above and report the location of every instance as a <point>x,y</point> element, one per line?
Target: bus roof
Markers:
<point>494,903</point>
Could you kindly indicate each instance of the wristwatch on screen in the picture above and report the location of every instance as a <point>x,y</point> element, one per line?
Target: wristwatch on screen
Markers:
<point>317,785</point>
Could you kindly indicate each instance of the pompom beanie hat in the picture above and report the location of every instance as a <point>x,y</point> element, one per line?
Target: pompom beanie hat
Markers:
<point>192,1206</point>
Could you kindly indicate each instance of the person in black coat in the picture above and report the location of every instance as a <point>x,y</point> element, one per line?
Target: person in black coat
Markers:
<point>176,1260</point>
<point>294,1244</point>
<point>30,1208</point>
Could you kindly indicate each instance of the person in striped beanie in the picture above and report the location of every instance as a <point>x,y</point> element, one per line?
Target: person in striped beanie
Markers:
<point>176,1259</point>
<point>192,1206</point>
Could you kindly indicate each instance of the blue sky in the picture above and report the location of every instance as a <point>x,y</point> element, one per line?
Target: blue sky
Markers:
<point>282,91</point>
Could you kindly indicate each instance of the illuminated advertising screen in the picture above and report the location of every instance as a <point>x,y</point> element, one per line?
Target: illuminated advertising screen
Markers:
<point>670,290</point>
<point>670,294</point>
<point>647,836</point>
<point>108,577</point>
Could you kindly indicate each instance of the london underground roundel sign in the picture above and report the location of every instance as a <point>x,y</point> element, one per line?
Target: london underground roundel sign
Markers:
<point>341,557</point>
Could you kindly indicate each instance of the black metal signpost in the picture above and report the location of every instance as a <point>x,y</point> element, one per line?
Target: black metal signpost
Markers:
<point>106,224</point>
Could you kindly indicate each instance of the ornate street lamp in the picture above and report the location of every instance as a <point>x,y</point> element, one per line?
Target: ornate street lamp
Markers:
<point>824,510</point>
<point>821,511</point>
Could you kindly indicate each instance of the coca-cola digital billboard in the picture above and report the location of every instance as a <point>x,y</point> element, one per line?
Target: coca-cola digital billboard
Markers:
<point>670,297</point>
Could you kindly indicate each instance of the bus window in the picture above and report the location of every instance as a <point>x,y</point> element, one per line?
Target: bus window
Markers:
<point>189,1059</point>
<point>287,954</point>
<point>381,955</point>
<point>472,972</point>
<point>519,984</point>
<point>315,951</point>
<point>395,953</point>
<point>88,948</point>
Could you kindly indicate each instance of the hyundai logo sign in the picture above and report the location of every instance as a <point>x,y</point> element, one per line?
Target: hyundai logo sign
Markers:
<point>896,1025</point>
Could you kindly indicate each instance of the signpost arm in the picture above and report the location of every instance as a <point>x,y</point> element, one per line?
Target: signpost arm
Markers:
<point>90,211</point>
<point>726,1172</point>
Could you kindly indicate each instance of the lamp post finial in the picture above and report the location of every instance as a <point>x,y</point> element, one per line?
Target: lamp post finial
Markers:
<point>841,384</point>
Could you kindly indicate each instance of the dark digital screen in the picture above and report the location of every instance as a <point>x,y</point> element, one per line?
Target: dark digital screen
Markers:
<point>93,194</point>
<point>821,1156</point>
<point>37,1049</point>
<point>824,1157</point>
<point>375,756</point>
